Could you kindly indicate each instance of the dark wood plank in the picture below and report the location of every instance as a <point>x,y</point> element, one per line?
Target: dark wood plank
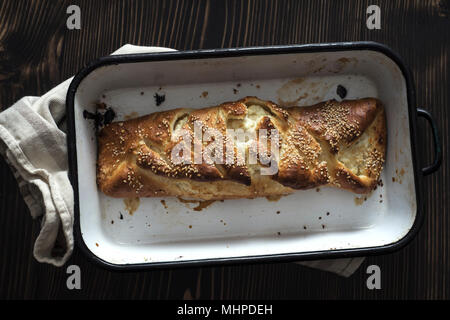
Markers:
<point>37,52</point>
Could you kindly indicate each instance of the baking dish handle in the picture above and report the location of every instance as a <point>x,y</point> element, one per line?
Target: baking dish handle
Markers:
<point>437,142</point>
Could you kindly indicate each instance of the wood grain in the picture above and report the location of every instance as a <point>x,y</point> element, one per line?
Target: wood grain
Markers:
<point>37,52</point>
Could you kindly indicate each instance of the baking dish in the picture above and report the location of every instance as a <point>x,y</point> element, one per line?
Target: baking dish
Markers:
<point>312,224</point>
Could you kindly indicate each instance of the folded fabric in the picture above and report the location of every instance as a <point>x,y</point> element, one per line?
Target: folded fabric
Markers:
<point>33,142</point>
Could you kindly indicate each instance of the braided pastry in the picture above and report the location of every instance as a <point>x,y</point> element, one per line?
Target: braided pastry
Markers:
<point>339,144</point>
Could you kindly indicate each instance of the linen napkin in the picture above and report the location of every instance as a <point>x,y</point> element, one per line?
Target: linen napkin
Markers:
<point>33,143</point>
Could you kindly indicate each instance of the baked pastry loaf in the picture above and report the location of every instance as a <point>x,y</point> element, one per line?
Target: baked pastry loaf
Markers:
<point>339,144</point>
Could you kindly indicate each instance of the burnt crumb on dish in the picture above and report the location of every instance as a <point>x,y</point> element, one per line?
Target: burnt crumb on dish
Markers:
<point>159,98</point>
<point>120,215</point>
<point>93,116</point>
<point>108,116</point>
<point>88,115</point>
<point>235,91</point>
<point>104,115</point>
<point>341,91</point>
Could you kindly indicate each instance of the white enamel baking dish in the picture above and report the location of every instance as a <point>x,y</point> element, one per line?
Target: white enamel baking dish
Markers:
<point>310,224</point>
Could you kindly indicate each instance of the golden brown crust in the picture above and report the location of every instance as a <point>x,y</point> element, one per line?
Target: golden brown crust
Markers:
<point>333,143</point>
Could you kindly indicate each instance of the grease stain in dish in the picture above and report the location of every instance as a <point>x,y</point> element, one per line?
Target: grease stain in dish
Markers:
<point>131,115</point>
<point>341,63</point>
<point>302,91</point>
<point>360,200</point>
<point>399,175</point>
<point>274,198</point>
<point>289,94</point>
<point>201,204</point>
<point>131,204</point>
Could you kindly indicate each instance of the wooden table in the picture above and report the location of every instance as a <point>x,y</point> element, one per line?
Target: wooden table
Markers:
<point>38,51</point>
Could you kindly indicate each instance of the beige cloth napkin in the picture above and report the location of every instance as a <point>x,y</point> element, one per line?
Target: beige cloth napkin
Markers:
<point>33,142</point>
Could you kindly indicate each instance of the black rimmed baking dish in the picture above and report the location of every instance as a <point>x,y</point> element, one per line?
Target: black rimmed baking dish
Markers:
<point>167,232</point>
